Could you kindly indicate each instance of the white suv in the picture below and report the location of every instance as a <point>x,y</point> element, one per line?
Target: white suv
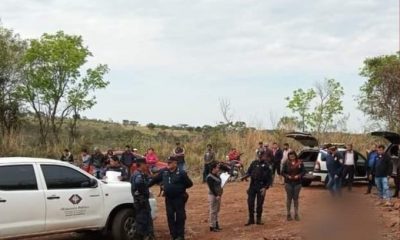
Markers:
<point>314,162</point>
<point>41,196</point>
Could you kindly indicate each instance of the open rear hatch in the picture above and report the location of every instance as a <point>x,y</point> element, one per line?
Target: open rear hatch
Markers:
<point>309,155</point>
<point>305,139</point>
<point>392,137</point>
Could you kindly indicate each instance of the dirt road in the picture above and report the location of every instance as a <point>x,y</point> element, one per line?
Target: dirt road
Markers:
<point>318,211</point>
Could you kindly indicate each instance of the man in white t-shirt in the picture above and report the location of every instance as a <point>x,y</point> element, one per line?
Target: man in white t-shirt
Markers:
<point>349,162</point>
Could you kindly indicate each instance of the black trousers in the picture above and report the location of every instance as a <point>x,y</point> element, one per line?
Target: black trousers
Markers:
<point>348,170</point>
<point>206,171</point>
<point>254,195</point>
<point>292,195</point>
<point>397,184</point>
<point>143,219</point>
<point>176,216</point>
<point>276,167</point>
<point>371,181</point>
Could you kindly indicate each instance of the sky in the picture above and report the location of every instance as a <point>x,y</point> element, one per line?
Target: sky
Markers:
<point>172,60</point>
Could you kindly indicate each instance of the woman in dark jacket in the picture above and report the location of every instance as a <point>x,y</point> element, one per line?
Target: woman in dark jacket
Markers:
<point>214,196</point>
<point>293,172</point>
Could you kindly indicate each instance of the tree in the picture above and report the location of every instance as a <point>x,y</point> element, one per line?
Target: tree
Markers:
<point>151,126</point>
<point>81,96</point>
<point>379,96</point>
<point>12,50</point>
<point>54,87</point>
<point>300,104</point>
<point>289,124</point>
<point>226,110</point>
<point>329,95</point>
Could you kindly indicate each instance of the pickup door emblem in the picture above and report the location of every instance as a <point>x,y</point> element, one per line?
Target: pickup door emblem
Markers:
<point>75,199</point>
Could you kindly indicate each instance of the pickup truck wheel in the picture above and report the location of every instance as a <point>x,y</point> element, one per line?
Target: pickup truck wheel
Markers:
<point>306,183</point>
<point>123,226</point>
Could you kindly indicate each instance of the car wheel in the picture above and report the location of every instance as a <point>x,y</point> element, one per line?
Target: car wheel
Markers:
<point>123,226</point>
<point>306,183</point>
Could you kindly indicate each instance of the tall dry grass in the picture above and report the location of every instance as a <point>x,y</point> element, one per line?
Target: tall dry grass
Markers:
<point>115,136</point>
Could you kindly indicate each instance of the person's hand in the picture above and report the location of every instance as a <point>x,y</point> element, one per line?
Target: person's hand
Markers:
<point>262,191</point>
<point>336,176</point>
<point>218,198</point>
<point>370,177</point>
<point>296,177</point>
<point>120,178</point>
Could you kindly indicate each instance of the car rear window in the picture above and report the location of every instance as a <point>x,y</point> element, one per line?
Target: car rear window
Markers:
<point>17,178</point>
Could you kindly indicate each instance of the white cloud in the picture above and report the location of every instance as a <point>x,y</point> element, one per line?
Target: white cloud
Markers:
<point>217,46</point>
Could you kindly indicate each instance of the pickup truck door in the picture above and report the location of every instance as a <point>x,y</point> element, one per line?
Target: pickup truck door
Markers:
<point>22,204</point>
<point>73,200</point>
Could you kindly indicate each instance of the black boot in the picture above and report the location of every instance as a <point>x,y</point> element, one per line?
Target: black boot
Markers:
<point>250,222</point>
<point>138,236</point>
<point>212,229</point>
<point>218,228</point>
<point>289,217</point>
<point>259,222</point>
<point>396,194</point>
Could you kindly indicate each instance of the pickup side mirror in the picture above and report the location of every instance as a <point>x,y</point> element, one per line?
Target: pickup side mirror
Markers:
<point>92,183</point>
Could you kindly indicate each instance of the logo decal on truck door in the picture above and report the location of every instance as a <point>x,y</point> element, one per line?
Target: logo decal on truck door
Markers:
<point>75,199</point>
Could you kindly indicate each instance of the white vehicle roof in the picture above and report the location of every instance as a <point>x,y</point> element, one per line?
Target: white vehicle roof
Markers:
<point>28,160</point>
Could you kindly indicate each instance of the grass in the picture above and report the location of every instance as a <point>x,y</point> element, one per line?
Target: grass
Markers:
<point>105,135</point>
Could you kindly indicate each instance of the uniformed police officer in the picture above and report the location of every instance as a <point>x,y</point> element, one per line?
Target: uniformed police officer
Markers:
<point>260,180</point>
<point>175,182</point>
<point>141,194</point>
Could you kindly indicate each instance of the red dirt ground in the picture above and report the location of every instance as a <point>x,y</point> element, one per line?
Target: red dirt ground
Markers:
<point>317,211</point>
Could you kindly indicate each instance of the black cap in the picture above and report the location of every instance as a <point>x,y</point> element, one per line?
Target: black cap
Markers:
<point>172,159</point>
<point>141,161</point>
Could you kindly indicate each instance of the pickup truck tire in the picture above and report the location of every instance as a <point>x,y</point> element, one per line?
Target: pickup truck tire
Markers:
<point>123,225</point>
<point>306,182</point>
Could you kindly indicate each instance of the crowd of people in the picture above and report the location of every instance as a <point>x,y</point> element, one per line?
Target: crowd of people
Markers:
<point>270,163</point>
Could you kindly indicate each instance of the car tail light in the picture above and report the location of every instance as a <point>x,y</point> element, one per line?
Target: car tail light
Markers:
<point>317,167</point>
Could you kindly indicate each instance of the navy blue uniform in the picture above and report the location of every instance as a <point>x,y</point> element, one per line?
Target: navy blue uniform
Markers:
<point>260,179</point>
<point>141,194</point>
<point>175,184</point>
<point>335,170</point>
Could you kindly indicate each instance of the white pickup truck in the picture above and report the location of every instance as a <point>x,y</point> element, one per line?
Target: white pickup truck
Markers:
<point>41,196</point>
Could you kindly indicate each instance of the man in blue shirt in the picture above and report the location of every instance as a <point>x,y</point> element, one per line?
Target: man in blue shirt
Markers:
<point>141,193</point>
<point>382,170</point>
<point>334,163</point>
<point>371,158</point>
<point>175,182</point>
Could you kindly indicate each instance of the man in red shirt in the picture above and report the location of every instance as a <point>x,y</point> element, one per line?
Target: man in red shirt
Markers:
<point>233,158</point>
<point>234,155</point>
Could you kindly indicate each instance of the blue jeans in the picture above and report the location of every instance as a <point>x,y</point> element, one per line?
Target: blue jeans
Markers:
<point>334,185</point>
<point>182,166</point>
<point>382,184</point>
